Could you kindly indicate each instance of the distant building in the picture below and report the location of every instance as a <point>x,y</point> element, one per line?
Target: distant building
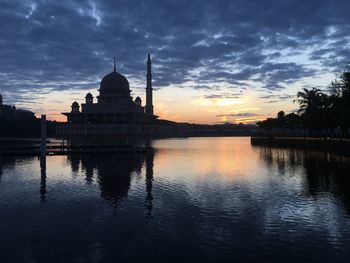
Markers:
<point>9,112</point>
<point>116,112</point>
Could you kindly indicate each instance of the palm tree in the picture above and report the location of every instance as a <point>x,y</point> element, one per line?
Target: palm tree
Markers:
<point>309,100</point>
<point>313,107</point>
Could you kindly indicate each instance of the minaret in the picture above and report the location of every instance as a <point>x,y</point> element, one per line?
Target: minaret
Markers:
<point>149,90</point>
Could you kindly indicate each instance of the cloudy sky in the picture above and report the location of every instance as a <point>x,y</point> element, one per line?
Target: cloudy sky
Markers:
<point>213,61</point>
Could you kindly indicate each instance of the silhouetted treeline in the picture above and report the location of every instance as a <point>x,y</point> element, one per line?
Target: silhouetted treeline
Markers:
<point>226,129</point>
<point>24,128</point>
<point>319,112</point>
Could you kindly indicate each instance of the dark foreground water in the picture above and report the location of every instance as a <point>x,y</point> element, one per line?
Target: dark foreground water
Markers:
<point>184,200</point>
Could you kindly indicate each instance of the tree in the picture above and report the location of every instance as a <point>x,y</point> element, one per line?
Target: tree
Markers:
<point>309,100</point>
<point>293,121</point>
<point>281,114</point>
<point>318,111</point>
<point>313,106</point>
<point>340,97</point>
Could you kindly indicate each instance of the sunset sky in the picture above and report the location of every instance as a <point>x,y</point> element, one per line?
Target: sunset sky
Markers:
<point>213,61</point>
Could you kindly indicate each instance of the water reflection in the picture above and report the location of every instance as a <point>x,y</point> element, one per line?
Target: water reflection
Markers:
<point>43,190</point>
<point>6,162</point>
<point>149,182</point>
<point>113,173</point>
<point>203,199</point>
<point>74,161</point>
<point>0,165</point>
<point>324,172</point>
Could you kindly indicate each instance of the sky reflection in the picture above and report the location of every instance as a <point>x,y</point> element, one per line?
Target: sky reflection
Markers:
<point>253,203</point>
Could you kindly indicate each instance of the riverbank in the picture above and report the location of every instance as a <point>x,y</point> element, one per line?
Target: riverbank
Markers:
<point>322,144</point>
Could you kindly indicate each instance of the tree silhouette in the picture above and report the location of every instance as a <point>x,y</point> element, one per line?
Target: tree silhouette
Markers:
<point>309,100</point>
<point>340,98</point>
<point>319,112</point>
<point>312,107</point>
<point>281,114</point>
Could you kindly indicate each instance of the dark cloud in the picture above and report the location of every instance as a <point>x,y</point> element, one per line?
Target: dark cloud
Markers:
<point>61,45</point>
<point>280,97</point>
<point>243,114</point>
<point>224,96</point>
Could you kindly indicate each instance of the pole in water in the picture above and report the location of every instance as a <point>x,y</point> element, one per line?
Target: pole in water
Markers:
<point>43,136</point>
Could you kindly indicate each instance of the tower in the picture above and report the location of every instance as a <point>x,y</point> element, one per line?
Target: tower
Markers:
<point>138,101</point>
<point>89,99</point>
<point>149,90</point>
<point>75,107</point>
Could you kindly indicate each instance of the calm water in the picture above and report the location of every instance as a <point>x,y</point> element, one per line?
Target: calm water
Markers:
<point>184,200</point>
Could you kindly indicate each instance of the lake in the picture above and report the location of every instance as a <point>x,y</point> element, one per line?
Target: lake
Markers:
<point>182,200</point>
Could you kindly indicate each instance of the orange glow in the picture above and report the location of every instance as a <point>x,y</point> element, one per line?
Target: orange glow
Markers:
<point>177,104</point>
<point>197,157</point>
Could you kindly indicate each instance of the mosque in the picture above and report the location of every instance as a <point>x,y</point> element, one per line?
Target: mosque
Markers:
<point>116,112</point>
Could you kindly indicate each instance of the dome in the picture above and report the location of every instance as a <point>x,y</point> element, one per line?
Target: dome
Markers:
<point>114,81</point>
<point>89,95</point>
<point>75,104</point>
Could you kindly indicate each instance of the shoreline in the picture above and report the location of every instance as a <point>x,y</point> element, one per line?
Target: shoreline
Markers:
<point>321,144</point>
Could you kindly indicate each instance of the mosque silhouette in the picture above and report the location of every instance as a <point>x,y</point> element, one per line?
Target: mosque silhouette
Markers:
<point>116,112</point>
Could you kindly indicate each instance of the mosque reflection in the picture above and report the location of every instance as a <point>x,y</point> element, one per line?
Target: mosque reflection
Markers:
<point>113,173</point>
<point>324,172</point>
